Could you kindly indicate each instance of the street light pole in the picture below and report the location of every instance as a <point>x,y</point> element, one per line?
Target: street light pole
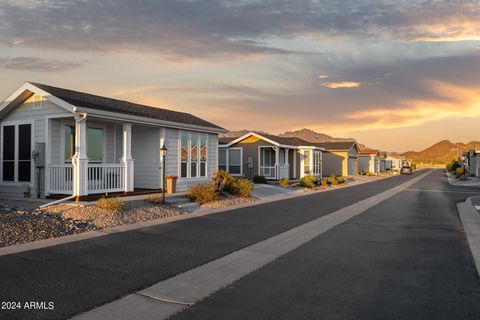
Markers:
<point>163,153</point>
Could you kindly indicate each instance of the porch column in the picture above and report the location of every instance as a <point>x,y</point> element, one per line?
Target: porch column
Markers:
<point>294,163</point>
<point>80,159</point>
<point>127,159</point>
<point>277,162</point>
<point>287,151</point>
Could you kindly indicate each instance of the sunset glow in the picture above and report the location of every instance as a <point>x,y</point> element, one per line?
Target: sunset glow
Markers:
<point>361,69</point>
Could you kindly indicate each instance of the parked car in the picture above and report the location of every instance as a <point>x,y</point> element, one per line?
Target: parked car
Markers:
<point>406,170</point>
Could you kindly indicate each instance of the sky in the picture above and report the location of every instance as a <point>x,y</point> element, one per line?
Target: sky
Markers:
<point>395,75</point>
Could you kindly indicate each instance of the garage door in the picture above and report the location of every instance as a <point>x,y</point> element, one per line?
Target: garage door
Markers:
<point>351,166</point>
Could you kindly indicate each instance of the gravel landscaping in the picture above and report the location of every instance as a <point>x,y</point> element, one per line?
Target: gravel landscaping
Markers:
<point>21,225</point>
<point>226,201</point>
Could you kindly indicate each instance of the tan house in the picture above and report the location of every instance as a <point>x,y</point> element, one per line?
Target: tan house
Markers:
<point>270,156</point>
<point>340,158</point>
<point>369,161</point>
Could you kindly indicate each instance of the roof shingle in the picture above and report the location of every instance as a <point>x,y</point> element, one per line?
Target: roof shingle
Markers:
<point>86,100</point>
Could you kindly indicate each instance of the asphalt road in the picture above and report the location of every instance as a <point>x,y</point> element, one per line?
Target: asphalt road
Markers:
<point>78,276</point>
<point>406,258</point>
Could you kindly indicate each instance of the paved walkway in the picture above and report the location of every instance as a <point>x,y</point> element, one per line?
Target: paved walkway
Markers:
<point>79,276</point>
<point>264,191</point>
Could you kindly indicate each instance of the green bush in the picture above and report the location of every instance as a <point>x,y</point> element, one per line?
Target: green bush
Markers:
<point>240,187</point>
<point>453,166</point>
<point>307,181</point>
<point>259,179</point>
<point>202,193</point>
<point>283,182</point>
<point>112,203</point>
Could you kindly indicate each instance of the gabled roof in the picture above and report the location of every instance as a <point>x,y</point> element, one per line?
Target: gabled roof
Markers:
<point>94,102</point>
<point>290,142</point>
<point>369,151</point>
<point>338,145</point>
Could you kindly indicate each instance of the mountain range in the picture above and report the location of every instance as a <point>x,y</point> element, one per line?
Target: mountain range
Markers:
<point>443,151</point>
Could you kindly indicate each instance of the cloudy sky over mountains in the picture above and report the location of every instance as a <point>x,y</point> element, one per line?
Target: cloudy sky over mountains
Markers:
<point>393,74</point>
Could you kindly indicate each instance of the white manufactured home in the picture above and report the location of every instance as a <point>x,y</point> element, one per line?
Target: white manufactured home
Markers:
<point>56,141</point>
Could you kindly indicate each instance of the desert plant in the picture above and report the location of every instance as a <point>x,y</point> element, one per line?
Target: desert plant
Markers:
<point>259,179</point>
<point>334,180</point>
<point>155,199</point>
<point>307,181</point>
<point>202,193</point>
<point>283,182</point>
<point>112,203</point>
<point>458,171</point>
<point>221,179</point>
<point>240,187</point>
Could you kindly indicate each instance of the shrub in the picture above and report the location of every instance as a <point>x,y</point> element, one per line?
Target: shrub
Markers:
<point>155,199</point>
<point>308,181</point>
<point>240,187</point>
<point>453,166</point>
<point>458,172</point>
<point>259,179</point>
<point>334,180</point>
<point>202,193</point>
<point>113,203</point>
<point>221,179</point>
<point>283,182</point>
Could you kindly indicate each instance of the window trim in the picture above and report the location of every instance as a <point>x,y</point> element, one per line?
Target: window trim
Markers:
<point>241,162</point>
<point>189,157</point>
<point>16,124</point>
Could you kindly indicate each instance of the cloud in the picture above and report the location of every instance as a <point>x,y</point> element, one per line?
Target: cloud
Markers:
<point>341,84</point>
<point>182,30</point>
<point>38,64</point>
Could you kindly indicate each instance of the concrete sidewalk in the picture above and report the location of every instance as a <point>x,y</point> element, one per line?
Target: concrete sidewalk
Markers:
<point>470,218</point>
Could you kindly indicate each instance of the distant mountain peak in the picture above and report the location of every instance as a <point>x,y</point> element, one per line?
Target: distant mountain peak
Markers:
<point>443,151</point>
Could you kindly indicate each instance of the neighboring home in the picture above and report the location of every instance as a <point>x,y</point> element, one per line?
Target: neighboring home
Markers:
<point>394,162</point>
<point>369,161</point>
<point>383,161</point>
<point>86,144</point>
<point>340,158</point>
<point>473,162</point>
<point>270,156</point>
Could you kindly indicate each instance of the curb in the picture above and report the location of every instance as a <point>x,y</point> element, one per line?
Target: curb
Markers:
<point>470,219</point>
<point>40,244</point>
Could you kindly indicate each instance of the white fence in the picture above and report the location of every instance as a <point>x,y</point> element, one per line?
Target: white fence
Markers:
<point>60,178</point>
<point>102,178</point>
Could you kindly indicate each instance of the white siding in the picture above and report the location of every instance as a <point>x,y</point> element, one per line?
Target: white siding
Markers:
<point>26,112</point>
<point>212,160</point>
<point>146,152</point>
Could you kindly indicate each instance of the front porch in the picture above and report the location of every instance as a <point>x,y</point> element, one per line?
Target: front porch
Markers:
<point>95,158</point>
<point>274,163</point>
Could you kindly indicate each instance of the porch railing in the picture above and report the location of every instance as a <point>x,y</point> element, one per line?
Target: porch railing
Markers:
<point>102,178</point>
<point>105,177</point>
<point>60,178</point>
<point>274,172</point>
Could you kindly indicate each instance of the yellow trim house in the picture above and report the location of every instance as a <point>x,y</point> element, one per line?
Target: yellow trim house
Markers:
<point>340,158</point>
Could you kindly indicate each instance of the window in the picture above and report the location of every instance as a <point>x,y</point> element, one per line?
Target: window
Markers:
<point>184,155</point>
<point>9,153</point>
<point>235,161</point>
<point>222,159</point>
<point>317,162</point>
<point>17,148</point>
<point>94,143</point>
<point>203,155</point>
<point>193,155</point>
<point>24,152</point>
<point>306,162</point>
